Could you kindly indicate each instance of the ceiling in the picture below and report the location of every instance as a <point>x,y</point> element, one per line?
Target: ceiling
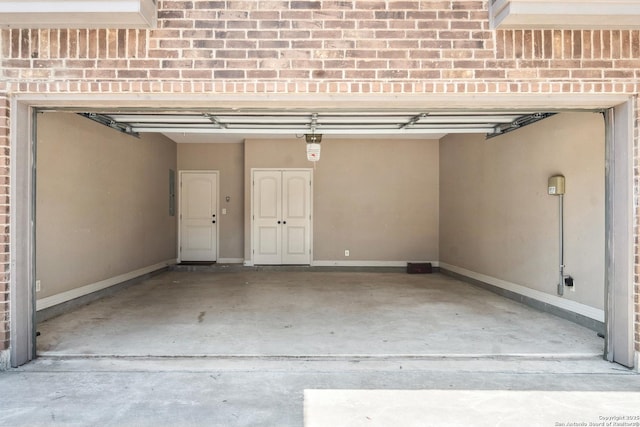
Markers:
<point>235,125</point>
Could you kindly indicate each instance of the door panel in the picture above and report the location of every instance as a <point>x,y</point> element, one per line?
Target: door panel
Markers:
<point>296,242</point>
<point>268,206</point>
<point>267,203</point>
<point>268,241</point>
<point>198,237</point>
<point>198,216</point>
<point>296,186</point>
<point>281,217</point>
<point>297,217</point>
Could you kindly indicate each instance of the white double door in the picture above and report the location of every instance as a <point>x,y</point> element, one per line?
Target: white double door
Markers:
<point>198,216</point>
<point>281,216</point>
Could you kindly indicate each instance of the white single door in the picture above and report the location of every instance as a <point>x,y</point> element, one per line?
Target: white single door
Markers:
<point>267,217</point>
<point>198,216</point>
<point>281,217</point>
<point>296,216</point>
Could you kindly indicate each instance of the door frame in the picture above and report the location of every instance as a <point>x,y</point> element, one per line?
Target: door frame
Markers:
<point>619,237</point>
<point>250,263</point>
<point>22,138</point>
<point>218,215</point>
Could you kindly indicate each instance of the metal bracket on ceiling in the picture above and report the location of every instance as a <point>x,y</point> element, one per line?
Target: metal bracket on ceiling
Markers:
<point>313,137</point>
<point>109,122</point>
<point>314,123</point>
<point>413,121</point>
<point>215,121</point>
<point>518,123</point>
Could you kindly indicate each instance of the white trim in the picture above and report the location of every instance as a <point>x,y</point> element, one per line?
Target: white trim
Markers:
<point>636,366</point>
<point>5,360</point>
<point>564,14</point>
<point>230,260</point>
<point>78,13</point>
<point>22,234</point>
<point>620,220</point>
<point>431,101</point>
<point>248,263</point>
<point>573,306</point>
<point>365,263</point>
<point>180,174</point>
<point>60,298</point>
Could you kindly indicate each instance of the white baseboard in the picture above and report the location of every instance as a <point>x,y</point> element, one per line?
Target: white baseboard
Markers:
<point>323,263</point>
<point>62,297</point>
<point>636,366</point>
<point>230,260</point>
<point>364,263</point>
<point>566,304</point>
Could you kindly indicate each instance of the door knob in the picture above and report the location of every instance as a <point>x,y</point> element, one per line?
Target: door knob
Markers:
<point>284,222</point>
<point>278,222</point>
<point>213,222</point>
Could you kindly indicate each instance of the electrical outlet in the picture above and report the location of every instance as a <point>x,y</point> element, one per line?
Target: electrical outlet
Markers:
<point>38,286</point>
<point>570,283</point>
<point>346,252</point>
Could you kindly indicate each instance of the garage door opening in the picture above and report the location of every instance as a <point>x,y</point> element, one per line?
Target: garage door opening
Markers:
<point>454,199</point>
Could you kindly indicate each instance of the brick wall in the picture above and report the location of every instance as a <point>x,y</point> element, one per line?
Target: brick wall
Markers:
<point>348,47</point>
<point>322,46</point>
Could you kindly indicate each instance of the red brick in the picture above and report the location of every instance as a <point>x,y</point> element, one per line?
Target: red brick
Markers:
<point>196,74</point>
<point>606,44</point>
<point>181,23</point>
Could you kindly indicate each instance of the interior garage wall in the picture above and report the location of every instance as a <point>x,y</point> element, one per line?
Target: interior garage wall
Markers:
<point>228,159</point>
<point>378,198</point>
<point>102,203</point>
<point>498,220</point>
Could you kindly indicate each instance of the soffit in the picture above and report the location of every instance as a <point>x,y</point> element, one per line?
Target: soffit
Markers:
<point>78,13</point>
<point>565,14</point>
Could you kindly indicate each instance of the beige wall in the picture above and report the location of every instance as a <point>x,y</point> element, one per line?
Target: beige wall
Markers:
<point>376,197</point>
<point>476,204</point>
<point>228,159</point>
<point>102,202</point>
<point>496,216</point>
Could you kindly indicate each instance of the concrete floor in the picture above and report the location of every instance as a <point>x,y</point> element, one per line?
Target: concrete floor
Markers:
<point>297,313</point>
<point>271,338</point>
<point>378,408</point>
<point>225,392</point>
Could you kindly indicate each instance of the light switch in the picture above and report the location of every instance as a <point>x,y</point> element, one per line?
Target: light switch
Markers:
<point>224,211</point>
